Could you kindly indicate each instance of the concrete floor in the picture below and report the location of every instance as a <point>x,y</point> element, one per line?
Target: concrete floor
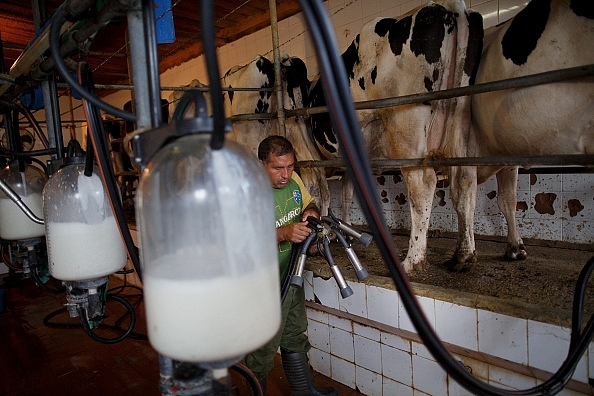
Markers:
<point>45,352</point>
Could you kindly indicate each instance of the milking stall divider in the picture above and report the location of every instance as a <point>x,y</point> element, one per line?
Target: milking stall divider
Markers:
<point>147,101</point>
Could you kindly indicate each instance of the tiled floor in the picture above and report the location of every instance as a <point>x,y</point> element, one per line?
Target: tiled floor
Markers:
<point>45,352</point>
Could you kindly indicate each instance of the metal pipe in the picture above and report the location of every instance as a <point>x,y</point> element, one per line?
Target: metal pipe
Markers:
<point>517,82</point>
<point>17,200</point>
<point>34,124</point>
<point>145,64</point>
<point>569,159</point>
<point>278,85</point>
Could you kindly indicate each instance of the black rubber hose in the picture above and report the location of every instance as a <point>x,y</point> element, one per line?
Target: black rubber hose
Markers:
<point>39,282</point>
<point>212,66</point>
<point>342,114</point>
<point>54,42</point>
<point>89,159</point>
<point>95,337</point>
<point>100,145</point>
<point>250,378</point>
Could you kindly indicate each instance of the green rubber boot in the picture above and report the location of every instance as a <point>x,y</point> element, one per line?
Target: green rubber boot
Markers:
<point>298,374</point>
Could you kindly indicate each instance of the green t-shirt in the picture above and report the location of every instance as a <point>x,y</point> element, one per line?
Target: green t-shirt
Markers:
<point>289,203</point>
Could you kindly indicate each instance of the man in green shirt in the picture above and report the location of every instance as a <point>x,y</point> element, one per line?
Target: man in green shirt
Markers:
<point>293,204</point>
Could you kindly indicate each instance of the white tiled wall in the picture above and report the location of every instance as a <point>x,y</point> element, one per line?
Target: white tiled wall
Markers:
<point>377,350</point>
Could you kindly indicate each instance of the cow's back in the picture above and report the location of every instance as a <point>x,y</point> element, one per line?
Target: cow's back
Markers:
<point>553,118</point>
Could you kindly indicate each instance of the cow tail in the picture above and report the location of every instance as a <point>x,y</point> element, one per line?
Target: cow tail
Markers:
<point>469,41</point>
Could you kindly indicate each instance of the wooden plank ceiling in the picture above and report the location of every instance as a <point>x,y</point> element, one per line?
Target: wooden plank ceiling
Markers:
<point>107,52</point>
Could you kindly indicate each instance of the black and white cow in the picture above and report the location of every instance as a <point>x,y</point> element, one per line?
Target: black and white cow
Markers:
<point>549,119</point>
<point>295,84</point>
<point>546,119</point>
<point>434,47</point>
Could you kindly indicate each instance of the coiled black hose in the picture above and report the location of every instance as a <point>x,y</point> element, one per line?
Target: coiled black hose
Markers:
<point>95,337</point>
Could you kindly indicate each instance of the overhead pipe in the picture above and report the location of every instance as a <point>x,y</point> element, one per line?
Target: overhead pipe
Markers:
<point>278,84</point>
<point>526,161</point>
<point>516,82</point>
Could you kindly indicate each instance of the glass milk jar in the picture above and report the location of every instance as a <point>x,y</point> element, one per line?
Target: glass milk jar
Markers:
<point>208,251</point>
<point>83,239</point>
<point>28,185</point>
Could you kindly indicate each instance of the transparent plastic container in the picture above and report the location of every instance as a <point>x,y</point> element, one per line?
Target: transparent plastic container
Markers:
<point>208,251</point>
<point>83,239</point>
<point>14,223</point>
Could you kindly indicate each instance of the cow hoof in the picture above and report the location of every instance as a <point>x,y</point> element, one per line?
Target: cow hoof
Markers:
<point>459,264</point>
<point>515,253</point>
<point>422,266</point>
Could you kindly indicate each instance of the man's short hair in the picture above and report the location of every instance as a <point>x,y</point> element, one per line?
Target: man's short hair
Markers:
<point>274,145</point>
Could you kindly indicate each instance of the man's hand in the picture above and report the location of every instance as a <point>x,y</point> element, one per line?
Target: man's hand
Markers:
<point>311,210</point>
<point>294,232</point>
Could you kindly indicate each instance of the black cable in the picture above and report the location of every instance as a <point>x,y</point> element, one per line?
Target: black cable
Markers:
<point>189,97</point>
<point>78,324</point>
<point>342,114</point>
<point>251,379</point>
<point>89,159</point>
<point>100,145</point>
<point>95,337</point>
<point>212,66</point>
<point>54,42</point>
<point>40,283</point>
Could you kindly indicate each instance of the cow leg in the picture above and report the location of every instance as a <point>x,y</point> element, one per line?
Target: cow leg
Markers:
<point>420,183</point>
<point>507,186</point>
<point>463,193</point>
<point>348,191</point>
<point>315,181</point>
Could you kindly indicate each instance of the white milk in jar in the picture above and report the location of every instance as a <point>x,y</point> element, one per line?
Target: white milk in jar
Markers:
<point>79,251</point>
<point>14,223</point>
<point>206,320</point>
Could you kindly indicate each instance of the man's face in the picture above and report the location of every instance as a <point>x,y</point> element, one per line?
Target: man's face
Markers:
<point>280,169</point>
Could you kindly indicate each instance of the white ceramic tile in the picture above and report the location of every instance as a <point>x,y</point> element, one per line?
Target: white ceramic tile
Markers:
<point>341,344</point>
<point>317,315</point>
<point>343,371</point>
<point>429,377</point>
<point>396,388</point>
<point>320,361</point>
<point>366,331</point>
<point>396,342</point>
<point>420,349</point>
<point>319,335</point>
<point>308,285</point>
<point>368,354</point>
<point>503,336</point>
<point>326,292</point>
<point>455,389</point>
<point>428,308</point>
<point>591,365</point>
<point>578,231</point>
<point>547,345</point>
<point>397,365</point>
<point>355,304</point>
<point>549,183</point>
<point>578,205</point>
<point>341,323</point>
<point>456,324</point>
<point>578,182</point>
<point>510,379</point>
<point>368,382</point>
